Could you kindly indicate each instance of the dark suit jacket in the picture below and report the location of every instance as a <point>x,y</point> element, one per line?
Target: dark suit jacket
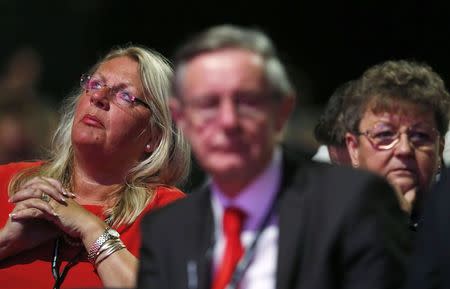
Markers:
<point>338,228</point>
<point>430,263</point>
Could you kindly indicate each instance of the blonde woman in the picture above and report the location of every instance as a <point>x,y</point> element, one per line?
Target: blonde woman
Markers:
<point>72,221</point>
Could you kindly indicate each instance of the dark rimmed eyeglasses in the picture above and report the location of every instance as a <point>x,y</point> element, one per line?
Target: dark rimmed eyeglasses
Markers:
<point>120,95</point>
<point>385,137</point>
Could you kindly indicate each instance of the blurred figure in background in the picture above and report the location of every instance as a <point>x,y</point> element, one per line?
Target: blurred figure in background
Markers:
<point>16,142</point>
<point>330,129</point>
<point>27,117</point>
<point>264,219</point>
<point>397,121</point>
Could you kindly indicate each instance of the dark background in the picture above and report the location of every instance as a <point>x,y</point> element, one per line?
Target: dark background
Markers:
<point>323,43</point>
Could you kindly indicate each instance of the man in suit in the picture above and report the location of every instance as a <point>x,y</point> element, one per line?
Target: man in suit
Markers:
<point>430,264</point>
<point>264,220</point>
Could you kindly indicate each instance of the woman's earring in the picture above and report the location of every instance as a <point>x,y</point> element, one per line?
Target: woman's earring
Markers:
<point>148,148</point>
<point>355,165</point>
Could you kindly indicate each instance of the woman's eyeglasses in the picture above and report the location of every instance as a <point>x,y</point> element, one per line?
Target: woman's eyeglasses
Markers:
<point>385,137</point>
<point>120,96</point>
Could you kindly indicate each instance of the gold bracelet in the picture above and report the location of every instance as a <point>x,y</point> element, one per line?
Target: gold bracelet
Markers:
<point>106,246</point>
<point>109,249</point>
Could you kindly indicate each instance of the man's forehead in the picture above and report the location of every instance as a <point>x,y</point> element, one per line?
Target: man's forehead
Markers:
<point>223,71</point>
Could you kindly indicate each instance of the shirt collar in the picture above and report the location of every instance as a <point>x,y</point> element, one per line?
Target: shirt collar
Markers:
<point>256,198</point>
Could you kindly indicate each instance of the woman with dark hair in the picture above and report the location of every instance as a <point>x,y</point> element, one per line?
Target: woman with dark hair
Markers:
<point>397,120</point>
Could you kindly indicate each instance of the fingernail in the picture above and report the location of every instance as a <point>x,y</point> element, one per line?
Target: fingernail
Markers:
<point>73,195</point>
<point>12,216</point>
<point>55,214</point>
<point>63,199</point>
<point>64,192</point>
<point>9,200</point>
<point>67,193</point>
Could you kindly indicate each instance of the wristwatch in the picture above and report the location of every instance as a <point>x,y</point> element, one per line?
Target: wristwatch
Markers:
<point>108,234</point>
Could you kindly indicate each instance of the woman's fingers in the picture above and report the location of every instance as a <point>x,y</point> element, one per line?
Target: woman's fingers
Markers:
<point>38,201</point>
<point>406,200</point>
<point>32,181</point>
<point>39,187</point>
<point>59,186</point>
<point>33,208</point>
<point>38,191</point>
<point>45,181</point>
<point>410,198</point>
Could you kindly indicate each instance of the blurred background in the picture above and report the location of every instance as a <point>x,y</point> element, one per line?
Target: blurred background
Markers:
<point>46,45</point>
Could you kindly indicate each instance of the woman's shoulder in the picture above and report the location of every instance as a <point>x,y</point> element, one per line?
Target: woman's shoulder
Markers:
<point>7,171</point>
<point>167,194</point>
<point>21,165</point>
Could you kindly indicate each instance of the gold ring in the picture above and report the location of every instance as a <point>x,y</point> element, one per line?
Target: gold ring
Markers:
<point>45,197</point>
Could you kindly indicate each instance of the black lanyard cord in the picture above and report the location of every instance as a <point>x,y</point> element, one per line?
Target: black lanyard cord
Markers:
<point>56,265</point>
<point>55,262</point>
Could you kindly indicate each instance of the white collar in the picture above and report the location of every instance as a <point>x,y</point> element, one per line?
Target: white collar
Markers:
<point>256,198</point>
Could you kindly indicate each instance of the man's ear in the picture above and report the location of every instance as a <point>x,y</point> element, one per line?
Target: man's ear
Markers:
<point>177,112</point>
<point>353,148</point>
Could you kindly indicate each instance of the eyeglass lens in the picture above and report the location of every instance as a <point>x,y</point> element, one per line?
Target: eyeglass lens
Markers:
<point>386,137</point>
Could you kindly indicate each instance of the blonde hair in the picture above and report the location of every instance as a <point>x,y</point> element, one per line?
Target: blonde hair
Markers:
<point>168,164</point>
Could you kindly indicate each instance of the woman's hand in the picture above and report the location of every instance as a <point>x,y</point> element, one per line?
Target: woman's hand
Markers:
<point>20,235</point>
<point>32,200</point>
<point>406,199</point>
<point>22,231</point>
<point>76,221</point>
<point>45,198</point>
<point>410,198</point>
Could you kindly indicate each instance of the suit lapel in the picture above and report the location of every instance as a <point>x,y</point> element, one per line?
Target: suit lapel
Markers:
<point>290,228</point>
<point>199,246</point>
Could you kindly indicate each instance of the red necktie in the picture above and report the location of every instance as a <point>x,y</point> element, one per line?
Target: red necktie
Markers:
<point>232,224</point>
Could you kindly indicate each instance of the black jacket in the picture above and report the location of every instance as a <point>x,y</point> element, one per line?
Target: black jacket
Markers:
<point>338,228</point>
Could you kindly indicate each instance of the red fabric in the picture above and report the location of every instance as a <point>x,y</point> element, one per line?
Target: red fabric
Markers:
<point>232,225</point>
<point>35,272</point>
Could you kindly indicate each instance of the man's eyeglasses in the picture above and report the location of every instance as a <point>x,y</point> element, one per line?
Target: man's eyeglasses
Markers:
<point>246,105</point>
<point>385,137</point>
<point>121,96</point>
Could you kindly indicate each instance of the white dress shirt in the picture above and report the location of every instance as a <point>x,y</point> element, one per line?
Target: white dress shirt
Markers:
<point>255,200</point>
<point>322,155</point>
<point>446,152</point>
